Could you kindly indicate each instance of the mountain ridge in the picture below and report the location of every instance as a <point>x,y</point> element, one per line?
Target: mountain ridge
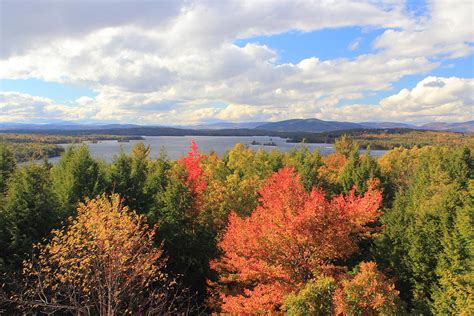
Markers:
<point>312,125</point>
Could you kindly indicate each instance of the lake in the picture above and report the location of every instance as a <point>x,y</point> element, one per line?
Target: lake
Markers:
<point>177,146</point>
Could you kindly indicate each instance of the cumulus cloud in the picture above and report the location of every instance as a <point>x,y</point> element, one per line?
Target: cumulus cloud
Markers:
<point>15,106</point>
<point>432,99</point>
<point>170,62</point>
<point>447,32</point>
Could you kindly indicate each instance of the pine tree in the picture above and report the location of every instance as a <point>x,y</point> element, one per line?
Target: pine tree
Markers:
<point>31,211</point>
<point>307,164</point>
<point>424,241</point>
<point>358,172</point>
<point>7,166</point>
<point>76,176</point>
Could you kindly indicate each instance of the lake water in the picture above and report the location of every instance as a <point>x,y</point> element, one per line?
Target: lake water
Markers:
<point>177,146</point>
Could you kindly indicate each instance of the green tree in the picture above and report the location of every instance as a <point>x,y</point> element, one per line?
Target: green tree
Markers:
<point>307,164</point>
<point>188,243</point>
<point>426,241</point>
<point>454,294</point>
<point>316,298</point>
<point>344,145</point>
<point>127,175</point>
<point>357,172</point>
<point>7,166</point>
<point>76,176</point>
<point>30,212</point>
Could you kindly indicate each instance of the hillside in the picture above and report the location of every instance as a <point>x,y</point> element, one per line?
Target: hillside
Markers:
<point>463,127</point>
<point>308,125</point>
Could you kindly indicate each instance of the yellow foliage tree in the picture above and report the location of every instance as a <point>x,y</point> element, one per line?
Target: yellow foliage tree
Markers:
<point>103,263</point>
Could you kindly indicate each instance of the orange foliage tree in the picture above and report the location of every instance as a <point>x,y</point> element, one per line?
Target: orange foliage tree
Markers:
<point>333,166</point>
<point>369,292</point>
<point>103,263</point>
<point>291,237</point>
<point>194,172</point>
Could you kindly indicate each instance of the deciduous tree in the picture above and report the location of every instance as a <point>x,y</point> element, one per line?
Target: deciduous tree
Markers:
<point>103,263</point>
<point>368,292</point>
<point>290,238</point>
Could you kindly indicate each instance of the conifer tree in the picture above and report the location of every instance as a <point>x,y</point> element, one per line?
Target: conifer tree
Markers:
<point>7,166</point>
<point>31,210</point>
<point>76,176</point>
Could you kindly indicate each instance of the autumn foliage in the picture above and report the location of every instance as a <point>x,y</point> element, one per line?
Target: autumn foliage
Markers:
<point>291,237</point>
<point>194,171</point>
<point>246,232</point>
<point>103,263</point>
<point>369,292</point>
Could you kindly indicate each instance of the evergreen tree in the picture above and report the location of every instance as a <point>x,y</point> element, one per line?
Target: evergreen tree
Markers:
<point>357,172</point>
<point>30,212</point>
<point>307,164</point>
<point>7,166</point>
<point>345,146</point>
<point>454,294</point>
<point>76,176</point>
<point>127,175</point>
<point>425,240</point>
<point>188,243</point>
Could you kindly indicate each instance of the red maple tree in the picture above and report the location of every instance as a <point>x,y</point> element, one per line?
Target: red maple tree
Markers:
<point>291,237</point>
<point>194,172</point>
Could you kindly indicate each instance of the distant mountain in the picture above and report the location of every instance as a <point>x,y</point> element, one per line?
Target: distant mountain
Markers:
<point>308,125</point>
<point>463,127</point>
<point>317,126</point>
<point>387,125</point>
<point>226,125</point>
<point>287,126</point>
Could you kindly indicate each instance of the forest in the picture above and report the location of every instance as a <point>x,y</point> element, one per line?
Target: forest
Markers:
<point>248,232</point>
<point>35,146</point>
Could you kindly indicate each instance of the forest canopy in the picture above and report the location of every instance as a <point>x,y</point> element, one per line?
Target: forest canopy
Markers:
<point>246,232</point>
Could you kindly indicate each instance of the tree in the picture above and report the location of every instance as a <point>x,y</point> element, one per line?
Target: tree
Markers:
<point>76,176</point>
<point>292,236</point>
<point>7,166</point>
<point>454,293</point>
<point>316,298</point>
<point>194,172</point>
<point>345,146</point>
<point>307,164</point>
<point>31,210</point>
<point>118,176</point>
<point>127,176</point>
<point>358,172</point>
<point>368,292</point>
<point>103,263</point>
<point>331,171</point>
<point>188,242</point>
<point>424,242</point>
<point>250,164</point>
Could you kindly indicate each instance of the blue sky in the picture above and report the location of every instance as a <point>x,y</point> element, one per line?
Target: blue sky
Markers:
<point>58,92</point>
<point>326,44</point>
<point>206,62</point>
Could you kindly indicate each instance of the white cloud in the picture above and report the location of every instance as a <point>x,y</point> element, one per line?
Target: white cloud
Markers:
<point>447,32</point>
<point>355,44</point>
<point>448,99</point>
<point>170,62</point>
<point>21,107</point>
<point>432,99</point>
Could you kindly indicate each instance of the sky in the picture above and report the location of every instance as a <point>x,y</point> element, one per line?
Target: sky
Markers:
<point>187,62</point>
